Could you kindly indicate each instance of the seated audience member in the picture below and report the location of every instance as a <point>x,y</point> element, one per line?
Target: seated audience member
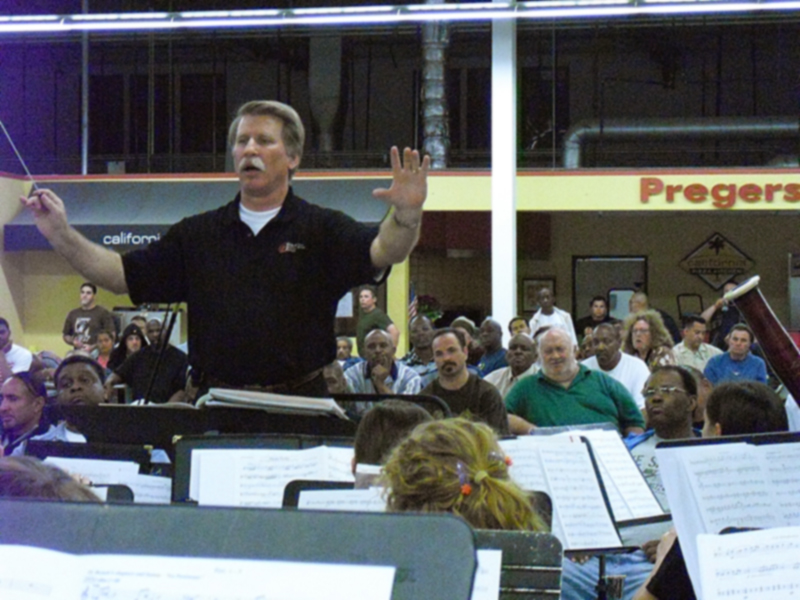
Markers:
<point>464,392</point>
<point>693,351</point>
<point>420,359</point>
<point>13,358</point>
<point>105,346</point>
<point>738,363</point>
<point>30,478</point>
<point>383,426</point>
<point>494,355</point>
<point>734,408</point>
<point>630,371</point>
<point>137,371</point>
<point>457,466</point>
<point>79,382</point>
<point>598,314</point>
<point>475,350</point>
<point>566,393</point>
<point>721,316</point>
<point>140,321</point>
<point>334,378</point>
<point>646,337</point>
<point>586,349</point>
<point>521,357</point>
<point>670,402</point>
<point>131,341</point>
<point>344,352</point>
<point>640,303</point>
<point>380,373</point>
<point>518,325</point>
<point>552,316</point>
<point>22,401</point>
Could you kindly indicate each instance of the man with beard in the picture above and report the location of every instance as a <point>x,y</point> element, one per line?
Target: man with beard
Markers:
<point>380,373</point>
<point>630,371</point>
<point>566,393</point>
<point>420,359</point>
<point>521,357</point>
<point>464,392</point>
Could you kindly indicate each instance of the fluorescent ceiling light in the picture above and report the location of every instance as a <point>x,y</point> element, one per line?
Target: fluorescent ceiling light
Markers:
<point>373,15</point>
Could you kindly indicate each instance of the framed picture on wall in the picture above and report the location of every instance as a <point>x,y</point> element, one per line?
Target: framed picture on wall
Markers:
<point>530,291</point>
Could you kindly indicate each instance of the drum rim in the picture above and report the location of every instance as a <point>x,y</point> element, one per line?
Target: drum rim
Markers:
<point>743,288</point>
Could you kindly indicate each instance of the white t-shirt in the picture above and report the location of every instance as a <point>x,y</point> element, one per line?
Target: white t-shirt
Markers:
<point>256,220</point>
<point>19,359</point>
<point>631,371</point>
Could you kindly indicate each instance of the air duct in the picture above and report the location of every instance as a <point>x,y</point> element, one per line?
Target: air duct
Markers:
<point>653,129</point>
<point>436,133</point>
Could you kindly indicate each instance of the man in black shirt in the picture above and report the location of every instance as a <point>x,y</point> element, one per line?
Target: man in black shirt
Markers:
<point>262,276</point>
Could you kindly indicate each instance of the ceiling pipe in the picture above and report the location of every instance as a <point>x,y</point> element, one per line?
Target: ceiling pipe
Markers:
<point>700,128</point>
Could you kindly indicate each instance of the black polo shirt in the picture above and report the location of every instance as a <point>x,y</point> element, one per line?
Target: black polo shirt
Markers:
<point>261,308</point>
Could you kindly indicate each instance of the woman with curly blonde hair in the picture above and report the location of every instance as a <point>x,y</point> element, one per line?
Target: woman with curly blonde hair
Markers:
<point>647,338</point>
<point>457,466</point>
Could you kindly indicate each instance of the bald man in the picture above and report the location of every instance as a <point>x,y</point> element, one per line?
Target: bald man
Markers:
<point>380,373</point>
<point>567,393</point>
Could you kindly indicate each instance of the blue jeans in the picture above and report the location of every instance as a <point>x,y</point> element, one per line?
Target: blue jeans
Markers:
<point>578,582</point>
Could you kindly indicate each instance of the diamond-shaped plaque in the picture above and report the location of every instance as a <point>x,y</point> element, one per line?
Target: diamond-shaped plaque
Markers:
<point>716,261</point>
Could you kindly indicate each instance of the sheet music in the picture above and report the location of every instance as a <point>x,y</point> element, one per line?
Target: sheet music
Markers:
<point>754,564</point>
<point>730,487</point>
<point>231,477</point>
<point>150,489</point>
<point>486,585</point>
<point>628,493</point>
<point>565,472</point>
<point>130,577</point>
<point>783,476</point>
<point>582,511</point>
<point>369,500</point>
<point>96,470</point>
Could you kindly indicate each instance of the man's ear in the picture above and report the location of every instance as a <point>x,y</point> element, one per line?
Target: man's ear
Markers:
<point>692,404</point>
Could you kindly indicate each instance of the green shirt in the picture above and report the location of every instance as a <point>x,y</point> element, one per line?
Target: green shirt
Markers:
<point>592,397</point>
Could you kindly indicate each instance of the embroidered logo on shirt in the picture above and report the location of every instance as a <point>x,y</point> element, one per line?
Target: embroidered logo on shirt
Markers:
<point>290,247</point>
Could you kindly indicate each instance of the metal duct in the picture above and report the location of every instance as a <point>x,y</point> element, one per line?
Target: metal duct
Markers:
<point>713,128</point>
<point>436,133</point>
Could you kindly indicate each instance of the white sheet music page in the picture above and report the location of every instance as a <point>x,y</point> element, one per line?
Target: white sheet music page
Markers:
<point>486,585</point>
<point>628,493</point>
<point>116,577</point>
<point>574,489</point>
<point>258,477</point>
<point>96,470</point>
<point>752,565</point>
<point>783,475</point>
<point>150,489</point>
<point>369,500</point>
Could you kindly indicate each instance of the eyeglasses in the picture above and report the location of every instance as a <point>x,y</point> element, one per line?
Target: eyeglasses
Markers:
<point>664,389</point>
<point>640,331</point>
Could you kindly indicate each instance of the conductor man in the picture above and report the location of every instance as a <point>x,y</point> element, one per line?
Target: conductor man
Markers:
<point>261,275</point>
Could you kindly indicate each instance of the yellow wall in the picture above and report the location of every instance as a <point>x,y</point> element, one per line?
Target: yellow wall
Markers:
<point>11,275</point>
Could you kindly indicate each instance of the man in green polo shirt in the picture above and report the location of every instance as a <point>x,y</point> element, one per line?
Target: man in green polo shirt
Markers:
<point>566,393</point>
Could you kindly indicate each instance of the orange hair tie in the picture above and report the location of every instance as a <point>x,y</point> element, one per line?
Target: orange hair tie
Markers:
<point>508,461</point>
<point>466,489</point>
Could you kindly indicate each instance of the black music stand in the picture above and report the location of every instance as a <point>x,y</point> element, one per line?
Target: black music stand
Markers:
<point>293,489</point>
<point>434,554</point>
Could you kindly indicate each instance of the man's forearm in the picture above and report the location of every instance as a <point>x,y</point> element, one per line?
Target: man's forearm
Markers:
<point>97,264</point>
<point>396,238</point>
<point>519,426</point>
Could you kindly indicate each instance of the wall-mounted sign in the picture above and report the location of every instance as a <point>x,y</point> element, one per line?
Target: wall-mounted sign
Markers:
<point>716,261</point>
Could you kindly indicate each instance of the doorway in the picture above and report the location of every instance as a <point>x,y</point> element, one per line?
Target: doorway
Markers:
<point>614,277</point>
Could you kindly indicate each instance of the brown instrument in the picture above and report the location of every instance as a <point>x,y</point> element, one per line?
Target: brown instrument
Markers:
<point>779,349</point>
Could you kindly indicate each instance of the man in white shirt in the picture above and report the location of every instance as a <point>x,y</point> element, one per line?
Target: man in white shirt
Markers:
<point>549,315</point>
<point>521,358</point>
<point>630,371</point>
<point>693,351</point>
<point>13,358</point>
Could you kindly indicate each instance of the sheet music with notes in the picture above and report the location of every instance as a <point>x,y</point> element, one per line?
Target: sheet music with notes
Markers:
<point>712,487</point>
<point>96,470</point>
<point>628,493</point>
<point>369,500</point>
<point>28,573</point>
<point>752,564</point>
<point>564,470</point>
<point>236,477</point>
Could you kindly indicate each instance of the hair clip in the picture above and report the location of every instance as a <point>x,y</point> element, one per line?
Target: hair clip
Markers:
<point>466,489</point>
<point>463,477</point>
<point>508,461</point>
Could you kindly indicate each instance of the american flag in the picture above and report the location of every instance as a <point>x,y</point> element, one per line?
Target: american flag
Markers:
<point>412,302</point>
